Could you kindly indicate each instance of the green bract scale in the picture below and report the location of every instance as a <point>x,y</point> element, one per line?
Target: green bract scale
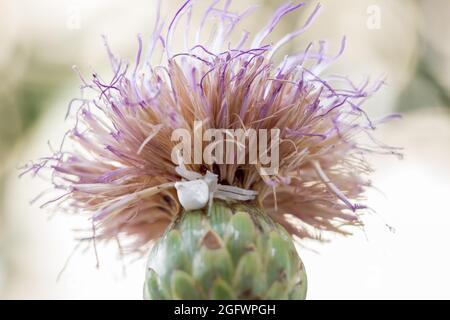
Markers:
<point>234,251</point>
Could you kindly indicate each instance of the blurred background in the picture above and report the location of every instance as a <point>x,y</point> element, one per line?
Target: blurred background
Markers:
<point>405,40</point>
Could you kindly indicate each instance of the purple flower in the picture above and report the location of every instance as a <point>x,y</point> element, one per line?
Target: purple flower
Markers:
<point>119,170</point>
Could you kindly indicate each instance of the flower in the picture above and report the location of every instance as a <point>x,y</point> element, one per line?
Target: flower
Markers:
<point>118,168</point>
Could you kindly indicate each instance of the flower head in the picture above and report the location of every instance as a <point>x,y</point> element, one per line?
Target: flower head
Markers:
<point>119,169</point>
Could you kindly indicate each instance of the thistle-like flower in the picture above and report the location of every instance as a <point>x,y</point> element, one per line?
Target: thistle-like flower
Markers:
<point>120,171</point>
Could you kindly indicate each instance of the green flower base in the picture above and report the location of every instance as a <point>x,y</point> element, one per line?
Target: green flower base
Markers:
<point>234,252</point>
